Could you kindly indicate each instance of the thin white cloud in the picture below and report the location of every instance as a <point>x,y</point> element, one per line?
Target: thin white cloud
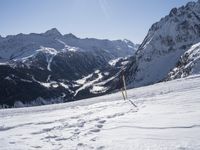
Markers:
<point>105,7</point>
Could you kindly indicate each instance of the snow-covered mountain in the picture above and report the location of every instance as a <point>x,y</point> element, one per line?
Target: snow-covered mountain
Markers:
<point>166,43</point>
<point>45,66</point>
<point>167,118</point>
<point>188,64</point>
<point>24,45</point>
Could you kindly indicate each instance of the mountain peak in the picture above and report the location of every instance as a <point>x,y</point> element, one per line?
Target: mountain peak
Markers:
<point>127,41</point>
<point>70,35</point>
<point>53,32</point>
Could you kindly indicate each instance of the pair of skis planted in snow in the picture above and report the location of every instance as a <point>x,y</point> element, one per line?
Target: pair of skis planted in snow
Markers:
<point>124,91</point>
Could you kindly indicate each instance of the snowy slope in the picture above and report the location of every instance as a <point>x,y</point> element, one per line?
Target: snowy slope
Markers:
<point>189,63</point>
<point>167,118</point>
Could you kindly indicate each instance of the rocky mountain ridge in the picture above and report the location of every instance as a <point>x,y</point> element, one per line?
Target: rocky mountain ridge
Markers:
<point>164,46</point>
<point>51,67</point>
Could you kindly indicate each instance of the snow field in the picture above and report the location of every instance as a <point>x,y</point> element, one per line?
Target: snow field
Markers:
<point>167,118</point>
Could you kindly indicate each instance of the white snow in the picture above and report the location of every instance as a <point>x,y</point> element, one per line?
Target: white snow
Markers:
<point>106,73</point>
<point>114,61</point>
<point>67,47</point>
<point>89,83</point>
<point>189,63</point>
<point>64,85</point>
<point>48,50</point>
<point>194,58</point>
<point>50,54</point>
<point>167,118</point>
<point>7,78</point>
<point>3,63</point>
<point>24,59</point>
<point>24,80</point>
<point>72,49</point>
<point>97,71</point>
<point>48,84</point>
<point>98,89</point>
<point>84,79</point>
<point>125,63</point>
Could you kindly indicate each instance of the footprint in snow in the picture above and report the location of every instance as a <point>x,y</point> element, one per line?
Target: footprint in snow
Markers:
<point>99,125</point>
<point>101,121</point>
<point>95,130</point>
<point>100,147</point>
<point>81,123</point>
<point>37,147</point>
<point>85,146</point>
<point>50,137</point>
<point>115,115</point>
<point>61,139</point>
<point>93,139</point>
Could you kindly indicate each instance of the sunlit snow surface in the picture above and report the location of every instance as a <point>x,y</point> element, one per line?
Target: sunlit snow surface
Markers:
<point>167,118</point>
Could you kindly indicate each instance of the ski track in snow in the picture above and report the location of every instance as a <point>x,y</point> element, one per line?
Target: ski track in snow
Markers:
<point>167,118</point>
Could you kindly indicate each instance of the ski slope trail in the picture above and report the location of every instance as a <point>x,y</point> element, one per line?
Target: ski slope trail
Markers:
<point>167,118</point>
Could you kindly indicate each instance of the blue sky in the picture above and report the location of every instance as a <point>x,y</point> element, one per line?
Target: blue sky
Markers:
<point>111,19</point>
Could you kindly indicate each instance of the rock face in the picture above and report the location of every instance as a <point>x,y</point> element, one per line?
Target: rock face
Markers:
<point>45,68</point>
<point>165,46</point>
<point>189,64</point>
